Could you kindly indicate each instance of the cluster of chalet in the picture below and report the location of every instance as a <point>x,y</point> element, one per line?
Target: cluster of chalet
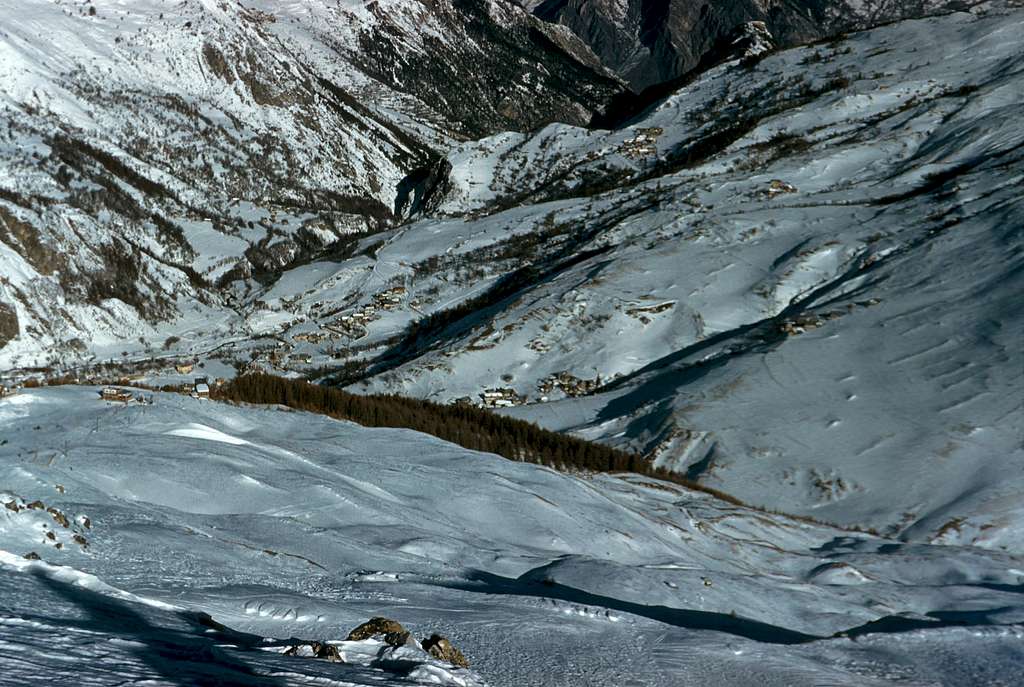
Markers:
<point>569,384</point>
<point>353,325</point>
<point>501,397</point>
<point>643,312</point>
<point>278,357</point>
<point>200,388</point>
<point>642,144</point>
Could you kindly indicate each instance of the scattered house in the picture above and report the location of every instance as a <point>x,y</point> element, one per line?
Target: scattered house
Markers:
<point>778,187</point>
<point>184,368</point>
<point>201,388</point>
<point>801,324</point>
<point>311,337</point>
<point>112,393</point>
<point>643,312</point>
<point>353,324</point>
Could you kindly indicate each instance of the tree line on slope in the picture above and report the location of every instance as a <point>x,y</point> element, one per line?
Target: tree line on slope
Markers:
<point>468,426</point>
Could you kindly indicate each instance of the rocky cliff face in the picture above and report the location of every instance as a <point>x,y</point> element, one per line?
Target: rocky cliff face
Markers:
<point>487,67</point>
<point>652,41</point>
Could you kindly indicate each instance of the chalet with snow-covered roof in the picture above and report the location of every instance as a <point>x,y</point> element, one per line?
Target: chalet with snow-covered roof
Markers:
<point>112,393</point>
<point>201,389</point>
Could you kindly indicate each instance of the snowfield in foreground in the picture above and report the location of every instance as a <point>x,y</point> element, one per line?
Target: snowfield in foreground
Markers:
<point>280,524</point>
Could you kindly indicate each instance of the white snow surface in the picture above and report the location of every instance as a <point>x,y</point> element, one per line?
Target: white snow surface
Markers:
<point>280,524</point>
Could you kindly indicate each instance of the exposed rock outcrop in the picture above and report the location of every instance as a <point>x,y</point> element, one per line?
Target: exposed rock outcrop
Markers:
<point>9,327</point>
<point>509,70</point>
<point>59,517</point>
<point>393,634</point>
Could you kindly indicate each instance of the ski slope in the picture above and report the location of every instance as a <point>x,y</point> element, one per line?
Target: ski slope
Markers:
<point>279,524</point>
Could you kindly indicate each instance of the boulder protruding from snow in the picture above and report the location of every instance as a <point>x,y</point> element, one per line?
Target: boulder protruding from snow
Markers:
<point>376,626</point>
<point>325,650</point>
<point>315,649</point>
<point>440,648</point>
<point>399,639</point>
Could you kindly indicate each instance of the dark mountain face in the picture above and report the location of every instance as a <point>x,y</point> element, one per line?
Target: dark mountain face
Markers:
<point>506,71</point>
<point>648,42</point>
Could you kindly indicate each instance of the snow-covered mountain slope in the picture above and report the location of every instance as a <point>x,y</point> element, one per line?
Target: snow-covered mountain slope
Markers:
<point>806,272</point>
<point>794,279</point>
<point>280,524</point>
<point>157,158</point>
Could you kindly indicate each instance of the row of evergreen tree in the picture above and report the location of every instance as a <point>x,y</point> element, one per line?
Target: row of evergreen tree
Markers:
<point>468,426</point>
